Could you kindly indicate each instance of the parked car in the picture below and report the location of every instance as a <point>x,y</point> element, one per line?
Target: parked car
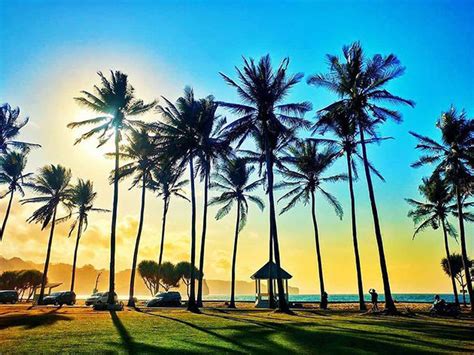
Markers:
<point>60,298</point>
<point>165,299</point>
<point>99,297</point>
<point>8,296</point>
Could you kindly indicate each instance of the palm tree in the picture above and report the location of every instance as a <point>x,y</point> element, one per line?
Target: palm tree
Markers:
<point>52,183</point>
<point>454,158</point>
<point>82,198</point>
<point>233,180</point>
<point>360,84</point>
<point>278,143</point>
<point>264,113</point>
<point>12,166</point>
<point>179,137</point>
<point>212,146</point>
<point>345,130</point>
<point>115,100</point>
<point>304,179</point>
<point>166,183</point>
<point>10,126</point>
<point>142,152</point>
<point>434,213</point>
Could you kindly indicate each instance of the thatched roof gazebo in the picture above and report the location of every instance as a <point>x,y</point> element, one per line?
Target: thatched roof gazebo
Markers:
<point>268,272</point>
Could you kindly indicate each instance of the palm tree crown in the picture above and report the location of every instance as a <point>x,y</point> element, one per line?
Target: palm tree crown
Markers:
<point>12,166</point>
<point>306,176</point>
<point>52,183</point>
<point>232,179</point>
<point>10,126</point>
<point>115,100</point>
<point>437,207</point>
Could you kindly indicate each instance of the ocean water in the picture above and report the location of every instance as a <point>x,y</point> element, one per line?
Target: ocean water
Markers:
<point>398,297</point>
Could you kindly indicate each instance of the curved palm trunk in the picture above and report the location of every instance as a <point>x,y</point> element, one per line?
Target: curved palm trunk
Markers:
<point>271,299</point>
<point>131,300</point>
<point>360,287</point>
<point>48,255</point>
<point>110,299</point>
<point>234,258</point>
<point>78,238</point>
<point>389,304</point>
<point>282,304</point>
<point>4,225</point>
<point>163,228</point>
<point>318,250</point>
<point>203,240</point>
<point>465,259</point>
<point>192,298</point>
<point>448,254</point>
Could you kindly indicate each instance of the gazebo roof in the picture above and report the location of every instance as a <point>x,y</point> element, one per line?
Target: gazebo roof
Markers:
<point>269,271</point>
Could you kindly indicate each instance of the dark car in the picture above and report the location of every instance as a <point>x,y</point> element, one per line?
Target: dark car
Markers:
<point>60,298</point>
<point>165,299</point>
<point>9,296</point>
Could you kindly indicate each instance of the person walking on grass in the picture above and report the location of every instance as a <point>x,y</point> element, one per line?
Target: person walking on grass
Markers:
<point>374,298</point>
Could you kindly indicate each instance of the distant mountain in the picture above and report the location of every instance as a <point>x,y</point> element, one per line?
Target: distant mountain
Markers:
<point>86,278</point>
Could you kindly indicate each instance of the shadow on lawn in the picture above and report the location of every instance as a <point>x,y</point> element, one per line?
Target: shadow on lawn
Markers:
<point>269,335</point>
<point>31,321</point>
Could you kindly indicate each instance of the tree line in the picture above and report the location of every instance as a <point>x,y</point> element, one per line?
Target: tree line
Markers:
<point>191,136</point>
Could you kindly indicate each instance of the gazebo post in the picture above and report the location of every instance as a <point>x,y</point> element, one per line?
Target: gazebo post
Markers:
<point>286,286</point>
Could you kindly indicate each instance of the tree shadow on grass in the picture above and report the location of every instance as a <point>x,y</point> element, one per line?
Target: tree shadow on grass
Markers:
<point>31,321</point>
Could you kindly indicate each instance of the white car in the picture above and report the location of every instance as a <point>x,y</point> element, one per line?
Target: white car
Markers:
<point>99,297</point>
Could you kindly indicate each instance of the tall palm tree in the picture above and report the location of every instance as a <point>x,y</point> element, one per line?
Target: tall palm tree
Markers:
<point>141,151</point>
<point>278,143</point>
<point>304,177</point>
<point>166,183</point>
<point>233,180</point>
<point>454,158</point>
<point>115,101</point>
<point>179,138</point>
<point>52,184</point>
<point>434,213</point>
<point>360,84</point>
<point>82,198</point>
<point>212,146</point>
<point>337,122</point>
<point>12,166</point>
<point>264,113</point>
<point>10,126</point>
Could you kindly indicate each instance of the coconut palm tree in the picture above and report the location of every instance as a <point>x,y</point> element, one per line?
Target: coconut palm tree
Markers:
<point>454,158</point>
<point>82,198</point>
<point>52,184</point>
<point>264,113</point>
<point>180,138</point>
<point>434,213</point>
<point>115,101</point>
<point>212,146</point>
<point>360,84</point>
<point>233,180</point>
<point>278,143</point>
<point>10,126</point>
<point>306,166</point>
<point>339,124</point>
<point>12,166</point>
<point>141,151</point>
<point>166,183</point>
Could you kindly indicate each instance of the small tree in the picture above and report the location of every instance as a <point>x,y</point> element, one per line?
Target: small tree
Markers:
<point>455,261</point>
<point>148,270</point>
<point>184,271</point>
<point>168,275</point>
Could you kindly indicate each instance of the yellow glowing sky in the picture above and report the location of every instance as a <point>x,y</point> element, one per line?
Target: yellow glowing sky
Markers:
<point>46,96</point>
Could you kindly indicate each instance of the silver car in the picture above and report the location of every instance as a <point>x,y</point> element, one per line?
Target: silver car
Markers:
<point>98,298</point>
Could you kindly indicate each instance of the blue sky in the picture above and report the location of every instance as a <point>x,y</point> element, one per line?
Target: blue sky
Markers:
<point>170,44</point>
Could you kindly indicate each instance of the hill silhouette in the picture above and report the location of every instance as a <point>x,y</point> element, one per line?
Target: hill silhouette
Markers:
<point>87,274</point>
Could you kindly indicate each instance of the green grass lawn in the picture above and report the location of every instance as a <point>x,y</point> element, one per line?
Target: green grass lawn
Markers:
<point>247,331</point>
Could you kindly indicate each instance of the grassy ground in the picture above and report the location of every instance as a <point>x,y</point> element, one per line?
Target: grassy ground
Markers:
<point>79,329</point>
